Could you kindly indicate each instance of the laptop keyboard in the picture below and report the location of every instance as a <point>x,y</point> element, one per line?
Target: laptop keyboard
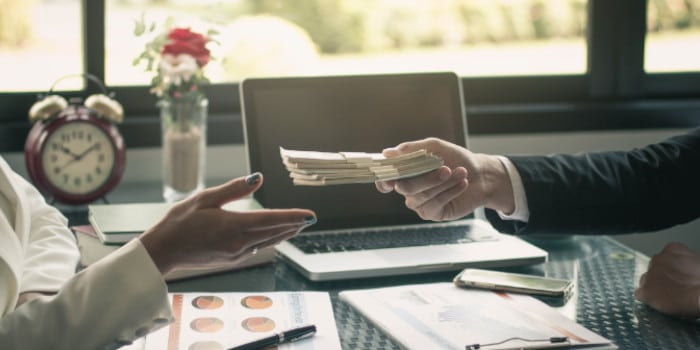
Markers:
<point>382,239</point>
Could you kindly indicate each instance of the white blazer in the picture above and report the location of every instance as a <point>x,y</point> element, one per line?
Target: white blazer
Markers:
<point>110,304</point>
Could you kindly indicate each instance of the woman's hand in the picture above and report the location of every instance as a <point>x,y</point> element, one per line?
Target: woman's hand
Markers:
<point>198,233</point>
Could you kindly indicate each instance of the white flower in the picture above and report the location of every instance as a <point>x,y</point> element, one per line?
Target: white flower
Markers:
<point>176,69</point>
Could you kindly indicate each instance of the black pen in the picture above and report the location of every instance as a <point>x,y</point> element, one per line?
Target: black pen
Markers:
<point>279,338</point>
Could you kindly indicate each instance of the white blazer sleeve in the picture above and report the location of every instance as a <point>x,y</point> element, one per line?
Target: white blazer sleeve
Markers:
<point>50,251</point>
<point>41,250</point>
<point>37,250</point>
<point>111,303</point>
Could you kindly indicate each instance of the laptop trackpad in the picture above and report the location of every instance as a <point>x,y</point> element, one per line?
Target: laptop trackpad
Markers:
<point>419,255</point>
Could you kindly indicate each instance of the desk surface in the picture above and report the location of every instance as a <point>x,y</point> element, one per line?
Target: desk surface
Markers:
<point>606,273</point>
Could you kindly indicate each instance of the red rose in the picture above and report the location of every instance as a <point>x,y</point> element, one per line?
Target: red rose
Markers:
<point>183,40</point>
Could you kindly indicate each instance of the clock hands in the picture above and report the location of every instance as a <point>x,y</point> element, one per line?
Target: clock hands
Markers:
<point>67,151</point>
<point>88,150</point>
<point>77,157</point>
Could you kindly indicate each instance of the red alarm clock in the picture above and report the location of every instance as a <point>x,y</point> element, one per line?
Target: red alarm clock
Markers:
<point>74,152</point>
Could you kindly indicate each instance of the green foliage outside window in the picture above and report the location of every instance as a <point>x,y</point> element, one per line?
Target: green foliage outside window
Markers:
<point>15,23</point>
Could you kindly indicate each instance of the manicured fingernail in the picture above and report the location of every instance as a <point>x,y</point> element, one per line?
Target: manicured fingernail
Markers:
<point>310,220</point>
<point>386,187</point>
<point>252,179</point>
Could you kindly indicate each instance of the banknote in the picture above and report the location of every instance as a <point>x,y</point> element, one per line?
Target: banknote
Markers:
<point>314,168</point>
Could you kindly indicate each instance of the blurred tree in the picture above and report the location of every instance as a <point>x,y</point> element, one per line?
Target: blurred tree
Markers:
<point>266,45</point>
<point>15,22</point>
<point>667,15</point>
<point>685,17</point>
<point>475,21</point>
<point>539,20</point>
<point>331,24</point>
<point>352,26</point>
<point>579,9</point>
<point>511,30</point>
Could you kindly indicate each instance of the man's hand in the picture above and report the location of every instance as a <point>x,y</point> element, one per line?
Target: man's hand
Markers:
<point>672,283</point>
<point>197,233</point>
<point>467,180</point>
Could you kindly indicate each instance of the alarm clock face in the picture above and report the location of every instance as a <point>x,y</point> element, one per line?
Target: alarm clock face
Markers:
<point>78,158</point>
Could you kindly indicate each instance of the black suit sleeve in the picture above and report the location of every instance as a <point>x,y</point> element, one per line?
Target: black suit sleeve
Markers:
<point>645,189</point>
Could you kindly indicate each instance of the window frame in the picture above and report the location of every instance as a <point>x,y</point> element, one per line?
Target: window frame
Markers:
<point>614,93</point>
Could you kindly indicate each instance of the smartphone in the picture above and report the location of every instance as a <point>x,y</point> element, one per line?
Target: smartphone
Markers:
<point>513,282</point>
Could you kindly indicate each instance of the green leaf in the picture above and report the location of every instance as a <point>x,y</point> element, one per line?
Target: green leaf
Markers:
<point>139,28</point>
<point>140,25</point>
<point>169,23</point>
<point>150,64</point>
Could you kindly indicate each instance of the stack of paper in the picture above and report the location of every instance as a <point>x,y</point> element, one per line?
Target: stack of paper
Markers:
<point>312,168</point>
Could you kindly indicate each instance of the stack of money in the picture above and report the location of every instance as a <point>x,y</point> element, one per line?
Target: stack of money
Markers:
<point>311,168</point>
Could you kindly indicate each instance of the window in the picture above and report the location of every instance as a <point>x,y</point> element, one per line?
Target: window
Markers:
<point>40,41</point>
<point>673,36</point>
<point>268,38</point>
<point>527,65</point>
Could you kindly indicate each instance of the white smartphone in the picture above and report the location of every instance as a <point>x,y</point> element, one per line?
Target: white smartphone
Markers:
<point>513,282</point>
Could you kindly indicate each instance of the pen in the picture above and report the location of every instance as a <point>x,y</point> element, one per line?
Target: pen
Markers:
<point>279,338</point>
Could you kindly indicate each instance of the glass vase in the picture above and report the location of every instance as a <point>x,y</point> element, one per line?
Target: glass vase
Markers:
<point>184,131</point>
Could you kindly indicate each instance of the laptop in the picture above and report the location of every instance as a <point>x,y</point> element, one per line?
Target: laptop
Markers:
<point>361,232</point>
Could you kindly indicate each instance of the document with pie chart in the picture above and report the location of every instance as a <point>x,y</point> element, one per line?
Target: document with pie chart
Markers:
<point>218,321</point>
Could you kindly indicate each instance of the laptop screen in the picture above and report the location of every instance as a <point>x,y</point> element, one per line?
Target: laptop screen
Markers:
<point>360,113</point>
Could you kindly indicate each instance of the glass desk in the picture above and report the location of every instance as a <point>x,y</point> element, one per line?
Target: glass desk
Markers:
<point>606,273</point>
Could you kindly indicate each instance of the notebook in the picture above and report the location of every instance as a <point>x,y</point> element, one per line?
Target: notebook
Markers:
<point>359,230</point>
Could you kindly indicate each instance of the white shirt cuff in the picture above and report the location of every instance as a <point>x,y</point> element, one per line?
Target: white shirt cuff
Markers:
<point>521,212</point>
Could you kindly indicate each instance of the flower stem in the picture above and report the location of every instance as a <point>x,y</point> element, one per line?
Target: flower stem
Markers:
<point>183,114</point>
